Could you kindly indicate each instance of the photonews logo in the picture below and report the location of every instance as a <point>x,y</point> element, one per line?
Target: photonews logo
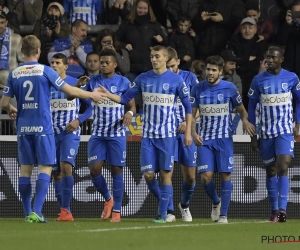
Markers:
<point>276,239</point>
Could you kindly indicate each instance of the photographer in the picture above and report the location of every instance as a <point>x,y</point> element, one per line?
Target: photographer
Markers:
<point>52,26</point>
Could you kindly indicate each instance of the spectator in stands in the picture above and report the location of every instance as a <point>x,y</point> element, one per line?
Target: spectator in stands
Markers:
<point>11,55</point>
<point>74,47</point>
<point>229,74</point>
<point>52,26</point>
<point>28,11</point>
<point>92,64</point>
<point>265,28</point>
<point>284,30</point>
<point>12,19</point>
<point>91,11</point>
<point>183,39</point>
<point>198,68</point>
<point>139,33</point>
<point>292,48</point>
<point>107,38</point>
<point>216,21</point>
<point>250,49</point>
<point>117,10</point>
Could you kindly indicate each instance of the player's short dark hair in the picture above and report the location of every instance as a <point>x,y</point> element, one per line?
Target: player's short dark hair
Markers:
<point>108,52</point>
<point>183,18</point>
<point>198,66</point>
<point>172,53</point>
<point>215,60</point>
<point>77,23</point>
<point>160,48</point>
<point>276,48</point>
<point>62,57</point>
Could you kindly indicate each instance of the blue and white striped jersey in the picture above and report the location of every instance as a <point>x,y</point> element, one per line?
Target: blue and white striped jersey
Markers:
<point>107,115</point>
<point>215,104</point>
<point>159,97</point>
<point>274,94</point>
<point>190,80</point>
<point>86,10</point>
<point>31,83</point>
<point>64,111</point>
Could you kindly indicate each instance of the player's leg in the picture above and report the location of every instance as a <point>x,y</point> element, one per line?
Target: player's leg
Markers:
<point>56,173</point>
<point>224,159</point>
<point>187,159</point>
<point>284,147</point>
<point>69,144</point>
<point>97,154</point>
<point>149,165</point>
<point>116,157</point>
<point>26,158</point>
<point>267,152</point>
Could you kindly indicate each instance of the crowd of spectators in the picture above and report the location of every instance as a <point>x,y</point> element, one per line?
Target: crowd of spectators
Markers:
<point>238,30</point>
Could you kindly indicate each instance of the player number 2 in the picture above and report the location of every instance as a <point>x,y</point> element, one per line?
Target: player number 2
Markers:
<point>27,96</point>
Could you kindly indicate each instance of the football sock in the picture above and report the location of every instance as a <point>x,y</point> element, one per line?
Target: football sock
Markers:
<point>67,191</point>
<point>210,190</point>
<point>41,191</point>
<point>101,186</point>
<point>272,188</point>
<point>25,192</point>
<point>58,192</point>
<point>165,191</point>
<point>283,192</point>
<point>118,189</point>
<point>187,193</point>
<point>226,189</point>
<point>154,188</point>
<point>170,209</point>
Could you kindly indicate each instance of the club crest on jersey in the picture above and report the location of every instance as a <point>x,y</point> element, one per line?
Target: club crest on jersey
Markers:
<point>132,84</point>
<point>231,160</point>
<point>166,86</point>
<point>72,151</point>
<point>124,154</point>
<point>195,155</point>
<point>292,144</point>
<point>239,99</point>
<point>89,2</point>
<point>250,92</point>
<point>192,99</point>
<point>185,90</point>
<point>298,86</point>
<point>113,89</point>
<point>220,97</point>
<point>6,89</point>
<point>284,85</point>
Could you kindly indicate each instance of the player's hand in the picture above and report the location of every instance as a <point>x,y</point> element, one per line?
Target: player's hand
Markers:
<point>263,66</point>
<point>217,18</point>
<point>296,130</point>
<point>254,143</point>
<point>98,95</point>
<point>205,16</point>
<point>182,128</point>
<point>249,127</point>
<point>128,47</point>
<point>127,119</point>
<point>103,89</point>
<point>82,81</point>
<point>188,140</point>
<point>12,113</point>
<point>72,126</point>
<point>197,139</point>
<point>158,38</point>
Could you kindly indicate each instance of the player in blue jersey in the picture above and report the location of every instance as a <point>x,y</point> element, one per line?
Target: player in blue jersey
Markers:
<point>108,140</point>
<point>30,83</point>
<point>66,124</point>
<point>215,100</point>
<point>186,156</point>
<point>160,88</point>
<point>273,90</point>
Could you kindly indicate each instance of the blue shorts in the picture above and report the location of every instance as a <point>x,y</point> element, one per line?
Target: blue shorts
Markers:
<point>280,145</point>
<point>216,155</point>
<point>157,154</point>
<point>185,156</point>
<point>36,149</point>
<point>111,149</point>
<point>66,149</point>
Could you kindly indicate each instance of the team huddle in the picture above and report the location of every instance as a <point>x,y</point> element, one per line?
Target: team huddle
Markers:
<point>48,124</point>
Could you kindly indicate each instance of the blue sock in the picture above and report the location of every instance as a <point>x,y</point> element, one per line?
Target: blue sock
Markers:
<point>210,190</point>
<point>154,189</point>
<point>170,208</point>
<point>101,186</point>
<point>41,191</point>
<point>67,191</point>
<point>58,192</point>
<point>118,189</point>
<point>25,192</point>
<point>187,193</point>
<point>165,191</point>
<point>272,188</point>
<point>283,191</point>
<point>226,189</point>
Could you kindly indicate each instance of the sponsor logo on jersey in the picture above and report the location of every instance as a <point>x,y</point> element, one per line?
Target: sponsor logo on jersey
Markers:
<point>214,109</point>
<point>62,105</point>
<point>36,70</point>
<point>158,99</point>
<point>275,99</point>
<point>31,129</point>
<point>108,103</point>
<point>146,167</point>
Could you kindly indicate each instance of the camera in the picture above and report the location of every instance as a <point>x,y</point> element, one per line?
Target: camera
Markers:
<point>107,42</point>
<point>50,21</point>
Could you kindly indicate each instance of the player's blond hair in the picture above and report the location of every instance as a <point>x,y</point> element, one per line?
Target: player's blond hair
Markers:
<point>172,53</point>
<point>30,45</point>
<point>160,48</point>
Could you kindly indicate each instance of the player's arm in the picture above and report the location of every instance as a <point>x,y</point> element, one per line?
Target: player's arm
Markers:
<point>11,110</point>
<point>247,126</point>
<point>131,110</point>
<point>296,95</point>
<point>197,138</point>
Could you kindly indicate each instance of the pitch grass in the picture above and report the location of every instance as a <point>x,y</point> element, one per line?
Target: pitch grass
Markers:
<point>132,234</point>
